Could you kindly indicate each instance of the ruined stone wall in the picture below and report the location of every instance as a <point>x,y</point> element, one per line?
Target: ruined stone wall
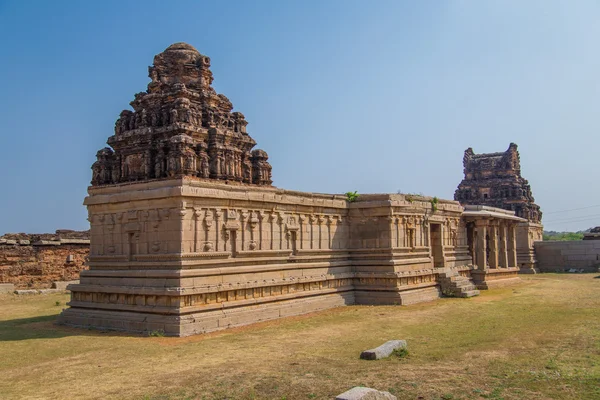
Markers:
<point>38,266</point>
<point>559,256</point>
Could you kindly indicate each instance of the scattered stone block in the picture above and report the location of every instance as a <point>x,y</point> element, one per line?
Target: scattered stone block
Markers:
<point>383,351</point>
<point>26,291</point>
<point>7,288</point>
<point>63,285</point>
<point>364,393</point>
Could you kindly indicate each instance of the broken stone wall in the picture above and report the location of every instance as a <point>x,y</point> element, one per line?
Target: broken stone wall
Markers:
<point>37,266</point>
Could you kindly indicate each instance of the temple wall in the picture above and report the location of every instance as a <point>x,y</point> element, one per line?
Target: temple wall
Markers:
<point>216,255</point>
<point>560,256</point>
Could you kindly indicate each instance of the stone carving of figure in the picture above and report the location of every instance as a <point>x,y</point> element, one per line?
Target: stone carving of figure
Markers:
<point>247,170</point>
<point>143,118</point>
<point>154,119</point>
<point>102,168</point>
<point>174,115</point>
<point>158,165</point>
<point>165,117</point>
<point>153,74</point>
<point>204,165</point>
<point>182,159</point>
<point>116,170</point>
<point>261,168</point>
<point>221,164</point>
<point>97,174</point>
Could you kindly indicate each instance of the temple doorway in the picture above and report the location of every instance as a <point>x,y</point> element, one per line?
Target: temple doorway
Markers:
<point>437,250</point>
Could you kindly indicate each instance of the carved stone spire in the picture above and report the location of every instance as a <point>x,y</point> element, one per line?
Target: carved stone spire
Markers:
<point>494,179</point>
<point>180,126</point>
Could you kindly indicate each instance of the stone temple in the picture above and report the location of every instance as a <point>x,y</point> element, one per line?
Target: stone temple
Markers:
<point>189,236</point>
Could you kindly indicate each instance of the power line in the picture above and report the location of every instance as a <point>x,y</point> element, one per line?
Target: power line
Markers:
<point>573,209</point>
<point>574,217</point>
<point>578,219</point>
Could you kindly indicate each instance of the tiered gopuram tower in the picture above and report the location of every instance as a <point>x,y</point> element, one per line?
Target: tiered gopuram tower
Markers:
<point>494,179</point>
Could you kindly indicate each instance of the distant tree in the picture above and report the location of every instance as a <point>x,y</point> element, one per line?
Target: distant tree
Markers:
<point>563,236</point>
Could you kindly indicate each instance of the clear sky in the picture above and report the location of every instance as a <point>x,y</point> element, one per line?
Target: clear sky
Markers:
<point>373,96</point>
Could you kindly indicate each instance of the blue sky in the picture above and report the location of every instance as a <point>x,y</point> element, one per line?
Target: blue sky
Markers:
<point>376,96</point>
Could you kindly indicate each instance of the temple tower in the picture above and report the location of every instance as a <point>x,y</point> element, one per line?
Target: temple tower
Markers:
<point>181,127</point>
<point>494,180</point>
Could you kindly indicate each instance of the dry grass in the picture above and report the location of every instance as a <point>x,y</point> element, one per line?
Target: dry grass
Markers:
<point>538,340</point>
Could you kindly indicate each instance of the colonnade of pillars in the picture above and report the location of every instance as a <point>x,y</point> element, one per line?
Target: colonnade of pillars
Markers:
<point>495,244</point>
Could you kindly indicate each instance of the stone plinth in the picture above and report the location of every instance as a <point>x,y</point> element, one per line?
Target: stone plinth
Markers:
<point>495,278</point>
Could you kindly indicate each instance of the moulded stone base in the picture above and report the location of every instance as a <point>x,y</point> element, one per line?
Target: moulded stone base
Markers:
<point>402,298</point>
<point>200,322</point>
<point>497,283</point>
<point>495,278</point>
<point>529,270</point>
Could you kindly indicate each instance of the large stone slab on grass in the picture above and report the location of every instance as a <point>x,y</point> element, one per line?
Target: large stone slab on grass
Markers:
<point>364,393</point>
<point>383,351</point>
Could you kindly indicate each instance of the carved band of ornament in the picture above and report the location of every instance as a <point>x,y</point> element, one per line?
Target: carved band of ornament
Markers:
<point>208,298</point>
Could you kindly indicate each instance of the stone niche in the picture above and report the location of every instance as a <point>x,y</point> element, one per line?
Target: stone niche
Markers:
<point>188,235</point>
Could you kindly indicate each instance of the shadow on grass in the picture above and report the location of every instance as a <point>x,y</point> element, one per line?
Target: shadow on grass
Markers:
<point>45,327</point>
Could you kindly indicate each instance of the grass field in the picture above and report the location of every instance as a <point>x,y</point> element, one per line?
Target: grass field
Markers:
<point>537,340</point>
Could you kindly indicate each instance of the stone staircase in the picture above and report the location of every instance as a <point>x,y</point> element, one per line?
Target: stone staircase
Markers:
<point>455,285</point>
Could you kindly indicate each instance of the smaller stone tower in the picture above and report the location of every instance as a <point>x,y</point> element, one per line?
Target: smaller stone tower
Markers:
<point>494,179</point>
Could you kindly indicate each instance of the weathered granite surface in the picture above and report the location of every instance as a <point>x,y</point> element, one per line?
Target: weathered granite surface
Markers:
<point>383,351</point>
<point>364,393</point>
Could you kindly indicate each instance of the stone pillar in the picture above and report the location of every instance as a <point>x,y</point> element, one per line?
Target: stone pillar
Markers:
<point>503,249</point>
<point>493,261</point>
<point>512,245</point>
<point>480,245</point>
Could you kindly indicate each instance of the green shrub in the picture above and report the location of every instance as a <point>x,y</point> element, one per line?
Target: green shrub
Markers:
<point>352,196</point>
